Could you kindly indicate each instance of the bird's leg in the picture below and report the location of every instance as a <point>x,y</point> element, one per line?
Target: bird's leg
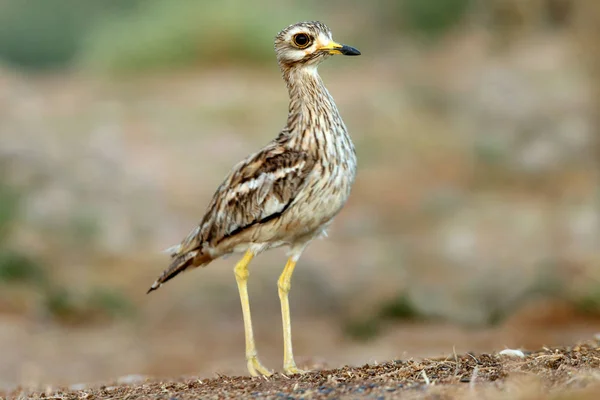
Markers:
<point>241,276</point>
<point>284,285</point>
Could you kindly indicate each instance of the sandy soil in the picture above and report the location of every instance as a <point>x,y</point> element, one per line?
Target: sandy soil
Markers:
<point>567,371</point>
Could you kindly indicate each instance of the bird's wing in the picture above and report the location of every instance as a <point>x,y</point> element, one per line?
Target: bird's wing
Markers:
<point>257,190</point>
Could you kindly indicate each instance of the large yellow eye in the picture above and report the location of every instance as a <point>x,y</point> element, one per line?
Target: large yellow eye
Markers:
<point>301,40</point>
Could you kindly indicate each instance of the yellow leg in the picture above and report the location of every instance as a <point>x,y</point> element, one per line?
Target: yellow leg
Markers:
<point>284,285</point>
<point>241,276</point>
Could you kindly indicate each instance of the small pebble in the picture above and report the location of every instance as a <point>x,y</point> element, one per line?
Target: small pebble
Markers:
<point>512,353</point>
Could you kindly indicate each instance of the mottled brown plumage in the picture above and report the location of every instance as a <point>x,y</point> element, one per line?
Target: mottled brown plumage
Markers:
<point>288,192</point>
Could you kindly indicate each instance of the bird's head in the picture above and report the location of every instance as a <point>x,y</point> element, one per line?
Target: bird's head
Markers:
<point>308,44</point>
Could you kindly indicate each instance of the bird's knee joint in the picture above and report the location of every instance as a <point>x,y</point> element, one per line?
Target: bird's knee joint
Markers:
<point>241,273</point>
<point>284,285</point>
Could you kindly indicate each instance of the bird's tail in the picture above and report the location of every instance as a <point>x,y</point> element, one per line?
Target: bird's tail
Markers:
<point>179,264</point>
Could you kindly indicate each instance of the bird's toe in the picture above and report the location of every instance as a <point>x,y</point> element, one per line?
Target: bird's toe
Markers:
<point>256,368</point>
<point>292,370</point>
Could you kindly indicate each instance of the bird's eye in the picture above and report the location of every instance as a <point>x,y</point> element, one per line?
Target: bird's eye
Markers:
<point>302,40</point>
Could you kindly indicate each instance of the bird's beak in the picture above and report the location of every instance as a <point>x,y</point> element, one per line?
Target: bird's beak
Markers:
<point>336,48</point>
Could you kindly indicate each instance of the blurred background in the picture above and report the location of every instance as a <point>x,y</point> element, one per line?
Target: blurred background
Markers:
<point>474,223</point>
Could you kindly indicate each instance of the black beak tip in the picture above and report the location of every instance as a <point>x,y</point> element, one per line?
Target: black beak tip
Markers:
<point>349,51</point>
<point>153,288</point>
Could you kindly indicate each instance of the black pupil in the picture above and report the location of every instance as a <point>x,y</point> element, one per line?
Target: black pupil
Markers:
<point>301,40</point>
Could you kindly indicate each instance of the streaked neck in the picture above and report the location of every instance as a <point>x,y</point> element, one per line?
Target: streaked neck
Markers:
<point>314,123</point>
<point>309,99</point>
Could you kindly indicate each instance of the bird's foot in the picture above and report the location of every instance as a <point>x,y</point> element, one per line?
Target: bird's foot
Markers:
<point>256,368</point>
<point>292,369</point>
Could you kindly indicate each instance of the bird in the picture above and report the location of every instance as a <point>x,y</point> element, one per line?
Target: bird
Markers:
<point>287,193</point>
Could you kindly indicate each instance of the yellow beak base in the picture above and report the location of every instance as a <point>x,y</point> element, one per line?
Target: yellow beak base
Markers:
<point>336,48</point>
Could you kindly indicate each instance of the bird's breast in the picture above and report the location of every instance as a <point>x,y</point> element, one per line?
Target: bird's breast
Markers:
<point>328,185</point>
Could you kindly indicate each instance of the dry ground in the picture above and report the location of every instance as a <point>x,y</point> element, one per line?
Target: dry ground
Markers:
<point>566,372</point>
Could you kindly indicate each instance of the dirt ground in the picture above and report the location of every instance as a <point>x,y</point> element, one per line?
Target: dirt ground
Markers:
<point>567,372</point>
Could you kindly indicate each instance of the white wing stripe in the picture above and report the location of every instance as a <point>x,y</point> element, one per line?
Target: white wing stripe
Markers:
<point>263,179</point>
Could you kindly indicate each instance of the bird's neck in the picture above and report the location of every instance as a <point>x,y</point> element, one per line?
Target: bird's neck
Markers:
<point>314,123</point>
<point>310,102</point>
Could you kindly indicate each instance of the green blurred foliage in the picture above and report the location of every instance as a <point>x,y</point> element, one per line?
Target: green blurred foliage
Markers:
<point>429,19</point>
<point>362,330</point>
<point>127,35</point>
<point>166,34</point>
<point>61,304</point>
<point>44,34</point>
<point>588,302</point>
<point>99,304</point>
<point>110,302</point>
<point>399,308</point>
<point>15,266</point>
<point>433,18</point>
<point>18,267</point>
<point>9,204</point>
